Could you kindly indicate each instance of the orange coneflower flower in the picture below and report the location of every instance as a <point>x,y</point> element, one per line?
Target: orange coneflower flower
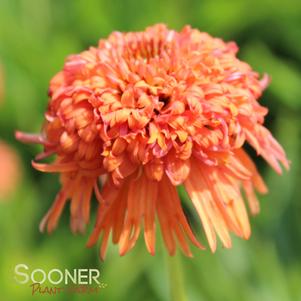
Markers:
<point>147,111</point>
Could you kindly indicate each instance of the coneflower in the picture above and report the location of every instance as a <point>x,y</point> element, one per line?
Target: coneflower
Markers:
<point>143,113</point>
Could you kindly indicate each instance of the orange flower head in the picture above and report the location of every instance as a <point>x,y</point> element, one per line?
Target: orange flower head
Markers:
<point>145,112</point>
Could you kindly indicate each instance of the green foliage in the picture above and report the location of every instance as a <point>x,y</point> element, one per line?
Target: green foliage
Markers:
<point>35,38</point>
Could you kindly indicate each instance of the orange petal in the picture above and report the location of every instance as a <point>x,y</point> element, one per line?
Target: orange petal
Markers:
<point>149,208</point>
<point>171,215</point>
<point>212,219</point>
<point>154,169</point>
<point>52,216</point>
<point>55,167</point>
<point>256,178</point>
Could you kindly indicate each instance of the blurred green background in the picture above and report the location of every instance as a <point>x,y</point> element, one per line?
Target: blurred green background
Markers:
<point>36,36</point>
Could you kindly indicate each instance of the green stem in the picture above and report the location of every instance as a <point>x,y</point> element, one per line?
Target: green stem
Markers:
<point>176,279</point>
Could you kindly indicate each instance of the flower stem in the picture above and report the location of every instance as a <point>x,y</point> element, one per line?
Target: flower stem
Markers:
<point>176,279</point>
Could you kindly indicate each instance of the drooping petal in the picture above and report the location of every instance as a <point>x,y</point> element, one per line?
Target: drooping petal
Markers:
<point>266,145</point>
<point>249,164</point>
<point>149,211</point>
<point>172,219</point>
<point>200,192</point>
<point>52,216</point>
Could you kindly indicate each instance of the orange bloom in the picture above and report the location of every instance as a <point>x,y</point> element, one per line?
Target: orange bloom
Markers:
<point>144,112</point>
<point>9,170</point>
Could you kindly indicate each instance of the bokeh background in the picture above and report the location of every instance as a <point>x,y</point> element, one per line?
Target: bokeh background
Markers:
<point>35,37</point>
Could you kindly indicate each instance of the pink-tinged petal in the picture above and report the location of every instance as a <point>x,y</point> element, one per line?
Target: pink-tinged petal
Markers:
<point>29,138</point>
<point>266,145</point>
<point>264,82</point>
<point>177,169</point>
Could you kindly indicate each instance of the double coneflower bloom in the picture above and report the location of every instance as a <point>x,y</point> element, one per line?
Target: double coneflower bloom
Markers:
<point>144,112</point>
